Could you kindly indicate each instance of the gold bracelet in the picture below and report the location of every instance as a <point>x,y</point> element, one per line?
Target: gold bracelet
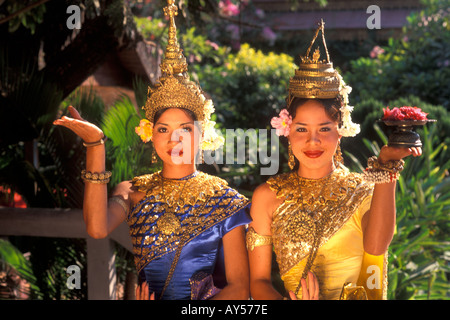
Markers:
<point>387,172</point>
<point>93,144</point>
<point>380,176</point>
<point>96,177</point>
<point>393,166</point>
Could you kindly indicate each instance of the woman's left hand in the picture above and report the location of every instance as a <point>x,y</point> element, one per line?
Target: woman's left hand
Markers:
<point>395,153</point>
<point>142,292</point>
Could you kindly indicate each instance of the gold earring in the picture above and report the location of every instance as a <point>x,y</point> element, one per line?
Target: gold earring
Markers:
<point>291,161</point>
<point>200,157</point>
<point>338,159</point>
<point>154,155</point>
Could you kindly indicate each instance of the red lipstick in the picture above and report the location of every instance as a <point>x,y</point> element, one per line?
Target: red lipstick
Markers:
<point>175,153</point>
<point>313,154</point>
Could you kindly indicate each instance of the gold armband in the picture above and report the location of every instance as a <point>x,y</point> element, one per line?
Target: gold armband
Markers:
<point>121,202</point>
<point>253,239</point>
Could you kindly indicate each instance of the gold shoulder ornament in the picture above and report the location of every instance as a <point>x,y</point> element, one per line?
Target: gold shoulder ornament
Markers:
<point>254,239</point>
<point>200,188</point>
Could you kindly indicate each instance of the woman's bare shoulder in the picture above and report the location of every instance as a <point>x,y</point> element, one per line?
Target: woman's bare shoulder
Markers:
<point>265,198</point>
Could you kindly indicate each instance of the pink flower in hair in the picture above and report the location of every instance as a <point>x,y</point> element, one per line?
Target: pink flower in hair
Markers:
<point>282,123</point>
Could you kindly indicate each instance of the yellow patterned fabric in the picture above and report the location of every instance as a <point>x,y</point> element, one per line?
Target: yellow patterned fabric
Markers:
<point>322,217</point>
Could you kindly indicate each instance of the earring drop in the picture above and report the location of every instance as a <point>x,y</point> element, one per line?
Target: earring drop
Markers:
<point>154,155</point>
<point>200,157</point>
<point>291,161</point>
<point>338,159</point>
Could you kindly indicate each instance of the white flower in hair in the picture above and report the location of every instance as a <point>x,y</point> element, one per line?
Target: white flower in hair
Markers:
<point>211,140</point>
<point>208,109</point>
<point>344,92</point>
<point>348,128</point>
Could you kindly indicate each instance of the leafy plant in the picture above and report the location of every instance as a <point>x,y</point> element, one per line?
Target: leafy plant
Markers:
<point>416,64</point>
<point>369,111</point>
<point>31,15</point>
<point>127,155</point>
<point>419,251</point>
<point>16,274</point>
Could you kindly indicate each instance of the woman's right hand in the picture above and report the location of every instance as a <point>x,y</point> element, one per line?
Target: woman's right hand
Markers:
<point>87,131</point>
<point>310,288</point>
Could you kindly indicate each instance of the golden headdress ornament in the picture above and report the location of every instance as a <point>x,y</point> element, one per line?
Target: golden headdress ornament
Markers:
<point>175,90</point>
<point>317,79</point>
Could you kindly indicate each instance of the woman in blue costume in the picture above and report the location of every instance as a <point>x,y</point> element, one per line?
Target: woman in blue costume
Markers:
<point>187,227</point>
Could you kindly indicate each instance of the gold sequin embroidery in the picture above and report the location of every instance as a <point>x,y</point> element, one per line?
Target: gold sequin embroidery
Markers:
<point>312,212</point>
<point>206,202</point>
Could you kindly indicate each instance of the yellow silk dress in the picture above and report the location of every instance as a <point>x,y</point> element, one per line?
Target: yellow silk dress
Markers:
<point>322,217</point>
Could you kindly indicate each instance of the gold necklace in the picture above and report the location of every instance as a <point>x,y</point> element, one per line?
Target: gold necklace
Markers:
<point>317,219</point>
<point>169,223</point>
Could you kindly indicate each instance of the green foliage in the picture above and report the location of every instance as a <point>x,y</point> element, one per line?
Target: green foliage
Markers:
<point>370,110</point>
<point>250,88</point>
<point>13,264</point>
<point>196,47</point>
<point>28,18</point>
<point>201,51</point>
<point>29,105</point>
<point>417,64</point>
<point>418,254</point>
<point>152,29</point>
<point>127,155</point>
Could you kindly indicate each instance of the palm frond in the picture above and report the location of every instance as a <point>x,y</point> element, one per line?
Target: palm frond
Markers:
<point>126,154</point>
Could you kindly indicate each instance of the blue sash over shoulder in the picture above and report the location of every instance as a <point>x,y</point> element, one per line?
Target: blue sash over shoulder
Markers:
<point>194,212</point>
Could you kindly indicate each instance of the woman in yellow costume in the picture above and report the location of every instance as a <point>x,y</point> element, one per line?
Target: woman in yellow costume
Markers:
<point>324,223</point>
<point>187,227</point>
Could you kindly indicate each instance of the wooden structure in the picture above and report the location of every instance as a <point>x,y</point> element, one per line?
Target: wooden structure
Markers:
<point>68,223</point>
<point>115,76</point>
<point>345,19</point>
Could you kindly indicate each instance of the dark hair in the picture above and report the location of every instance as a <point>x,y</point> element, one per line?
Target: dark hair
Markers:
<point>160,112</point>
<point>332,107</point>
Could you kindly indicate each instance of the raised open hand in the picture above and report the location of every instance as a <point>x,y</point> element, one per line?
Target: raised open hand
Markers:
<point>87,131</point>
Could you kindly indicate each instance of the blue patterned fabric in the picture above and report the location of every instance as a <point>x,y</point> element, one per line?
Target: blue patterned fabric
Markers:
<point>203,226</point>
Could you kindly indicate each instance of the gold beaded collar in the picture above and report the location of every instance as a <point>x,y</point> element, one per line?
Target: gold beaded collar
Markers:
<point>165,220</point>
<point>198,187</point>
<point>313,210</point>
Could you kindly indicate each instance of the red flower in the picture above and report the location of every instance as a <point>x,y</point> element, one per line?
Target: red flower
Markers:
<point>404,113</point>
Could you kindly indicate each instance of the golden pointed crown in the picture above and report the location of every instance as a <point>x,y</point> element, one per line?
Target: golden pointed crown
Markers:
<point>174,89</point>
<point>315,78</point>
